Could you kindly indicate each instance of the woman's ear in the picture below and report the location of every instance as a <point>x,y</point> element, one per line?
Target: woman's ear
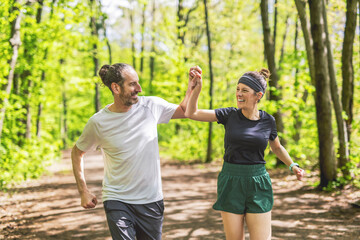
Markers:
<point>260,94</point>
<point>116,89</point>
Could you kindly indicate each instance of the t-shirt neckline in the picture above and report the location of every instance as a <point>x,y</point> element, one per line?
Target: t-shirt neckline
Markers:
<point>107,110</point>
<point>260,115</point>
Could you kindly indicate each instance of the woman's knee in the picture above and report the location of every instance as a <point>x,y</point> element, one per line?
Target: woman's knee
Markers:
<point>233,226</point>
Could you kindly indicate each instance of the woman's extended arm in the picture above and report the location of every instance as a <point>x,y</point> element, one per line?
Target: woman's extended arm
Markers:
<point>284,156</point>
<point>180,111</point>
<point>192,110</point>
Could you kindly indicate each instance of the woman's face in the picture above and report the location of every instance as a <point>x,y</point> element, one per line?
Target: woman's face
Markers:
<point>246,97</point>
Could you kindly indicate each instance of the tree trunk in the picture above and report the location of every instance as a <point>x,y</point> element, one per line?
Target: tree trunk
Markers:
<point>180,27</point>
<point>298,123</point>
<point>132,38</point>
<point>28,111</point>
<point>15,42</point>
<point>270,55</point>
<point>142,40</point>
<point>64,116</point>
<point>30,83</point>
<point>305,26</point>
<point>182,22</point>
<point>282,50</point>
<point>347,63</point>
<point>152,54</point>
<point>323,96</point>
<point>95,34</point>
<point>211,91</point>
<point>275,22</point>
<point>108,45</point>
<point>27,82</point>
<point>43,74</point>
<point>343,150</point>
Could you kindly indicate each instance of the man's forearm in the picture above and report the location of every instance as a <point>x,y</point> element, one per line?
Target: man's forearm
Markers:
<point>78,169</point>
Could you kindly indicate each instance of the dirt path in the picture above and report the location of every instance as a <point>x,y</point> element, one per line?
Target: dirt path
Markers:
<point>49,208</point>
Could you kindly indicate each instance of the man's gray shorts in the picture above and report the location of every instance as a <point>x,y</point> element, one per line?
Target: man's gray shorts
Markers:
<point>127,221</point>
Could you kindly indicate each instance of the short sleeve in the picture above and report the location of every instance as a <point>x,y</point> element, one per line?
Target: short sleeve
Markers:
<point>273,133</point>
<point>222,114</point>
<point>162,110</point>
<point>89,139</point>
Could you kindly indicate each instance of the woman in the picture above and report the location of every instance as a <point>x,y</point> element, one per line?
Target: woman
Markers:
<point>244,186</point>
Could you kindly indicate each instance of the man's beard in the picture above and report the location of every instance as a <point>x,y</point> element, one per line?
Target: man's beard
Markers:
<point>128,100</point>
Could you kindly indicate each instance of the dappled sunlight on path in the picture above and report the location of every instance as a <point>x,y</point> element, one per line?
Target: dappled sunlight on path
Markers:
<point>49,208</point>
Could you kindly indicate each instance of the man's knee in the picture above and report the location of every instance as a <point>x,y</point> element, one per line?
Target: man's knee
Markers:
<point>122,229</point>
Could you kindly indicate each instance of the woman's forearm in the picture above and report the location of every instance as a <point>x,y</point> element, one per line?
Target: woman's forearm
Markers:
<point>192,104</point>
<point>283,155</point>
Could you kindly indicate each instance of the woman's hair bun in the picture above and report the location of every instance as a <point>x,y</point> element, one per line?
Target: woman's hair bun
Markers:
<point>265,73</point>
<point>102,72</point>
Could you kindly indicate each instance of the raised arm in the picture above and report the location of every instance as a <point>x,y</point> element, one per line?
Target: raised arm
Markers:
<point>180,111</point>
<point>284,156</point>
<point>192,110</point>
<point>88,200</point>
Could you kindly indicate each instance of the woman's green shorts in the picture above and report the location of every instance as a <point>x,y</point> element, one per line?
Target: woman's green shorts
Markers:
<point>244,189</point>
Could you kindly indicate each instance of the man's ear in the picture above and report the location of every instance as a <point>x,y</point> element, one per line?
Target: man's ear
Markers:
<point>260,94</point>
<point>116,89</point>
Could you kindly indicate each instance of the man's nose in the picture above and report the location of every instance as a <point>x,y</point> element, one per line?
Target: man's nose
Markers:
<point>138,88</point>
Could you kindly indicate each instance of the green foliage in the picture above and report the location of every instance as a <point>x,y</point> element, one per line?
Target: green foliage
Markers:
<point>29,161</point>
<point>60,48</point>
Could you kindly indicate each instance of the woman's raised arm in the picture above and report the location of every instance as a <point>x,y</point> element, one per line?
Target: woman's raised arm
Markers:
<point>192,110</point>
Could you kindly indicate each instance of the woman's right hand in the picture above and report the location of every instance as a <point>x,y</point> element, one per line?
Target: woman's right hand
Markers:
<point>298,172</point>
<point>195,77</point>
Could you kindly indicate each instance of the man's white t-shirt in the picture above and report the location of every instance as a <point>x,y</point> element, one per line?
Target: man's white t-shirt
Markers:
<point>129,143</point>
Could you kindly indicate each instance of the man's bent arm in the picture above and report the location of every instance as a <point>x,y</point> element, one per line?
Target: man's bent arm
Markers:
<point>180,111</point>
<point>88,200</point>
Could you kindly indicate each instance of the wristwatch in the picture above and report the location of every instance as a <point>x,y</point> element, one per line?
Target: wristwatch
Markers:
<point>293,164</point>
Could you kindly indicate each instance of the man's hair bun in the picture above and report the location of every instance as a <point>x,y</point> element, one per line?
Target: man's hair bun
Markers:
<point>104,69</point>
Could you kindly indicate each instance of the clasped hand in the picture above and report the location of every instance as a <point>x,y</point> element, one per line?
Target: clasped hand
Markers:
<point>195,77</point>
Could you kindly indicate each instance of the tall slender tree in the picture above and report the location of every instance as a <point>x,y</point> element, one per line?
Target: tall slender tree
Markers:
<point>43,73</point>
<point>347,63</point>
<point>104,27</point>
<point>323,95</point>
<point>211,89</point>
<point>15,42</point>
<point>305,26</point>
<point>28,73</point>
<point>132,34</point>
<point>343,150</point>
<point>142,38</point>
<point>269,46</point>
<point>95,36</point>
<point>152,54</point>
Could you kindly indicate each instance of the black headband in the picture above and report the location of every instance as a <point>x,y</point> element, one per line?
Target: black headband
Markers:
<point>252,82</point>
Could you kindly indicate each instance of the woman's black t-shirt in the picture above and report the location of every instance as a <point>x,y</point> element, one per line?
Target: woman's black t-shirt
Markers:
<point>245,139</point>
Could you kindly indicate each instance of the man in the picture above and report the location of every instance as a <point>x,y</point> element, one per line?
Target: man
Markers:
<point>126,132</point>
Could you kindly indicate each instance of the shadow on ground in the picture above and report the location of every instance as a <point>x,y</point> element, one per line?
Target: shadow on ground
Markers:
<point>49,208</point>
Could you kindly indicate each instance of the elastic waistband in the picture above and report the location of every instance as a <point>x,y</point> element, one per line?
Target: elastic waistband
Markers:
<point>243,170</point>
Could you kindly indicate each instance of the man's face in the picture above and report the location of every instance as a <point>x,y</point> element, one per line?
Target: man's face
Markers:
<point>130,89</point>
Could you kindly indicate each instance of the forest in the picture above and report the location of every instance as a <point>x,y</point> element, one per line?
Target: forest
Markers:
<point>52,51</point>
